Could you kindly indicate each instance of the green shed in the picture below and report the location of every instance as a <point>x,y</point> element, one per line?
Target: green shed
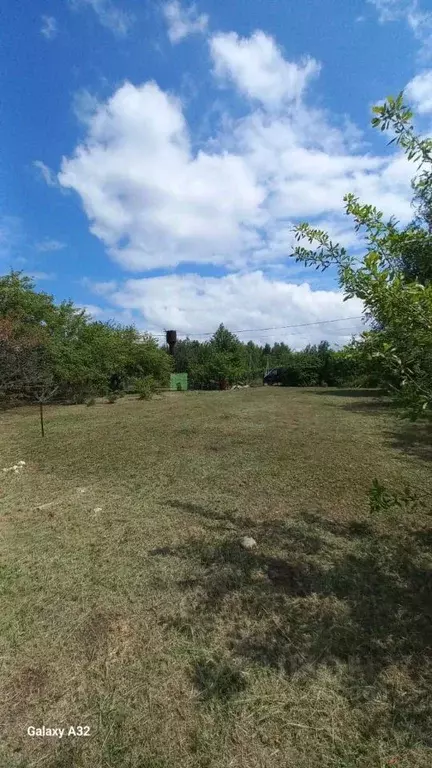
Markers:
<point>179,381</point>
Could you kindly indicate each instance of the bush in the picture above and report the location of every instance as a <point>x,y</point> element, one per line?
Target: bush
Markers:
<point>290,377</point>
<point>79,399</point>
<point>112,397</point>
<point>145,393</point>
<point>90,401</point>
<point>146,387</point>
<point>256,383</point>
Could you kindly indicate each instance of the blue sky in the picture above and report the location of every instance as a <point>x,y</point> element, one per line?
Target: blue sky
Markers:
<point>156,155</point>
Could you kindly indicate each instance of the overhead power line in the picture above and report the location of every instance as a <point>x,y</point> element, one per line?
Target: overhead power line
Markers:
<point>272,328</point>
<point>302,334</point>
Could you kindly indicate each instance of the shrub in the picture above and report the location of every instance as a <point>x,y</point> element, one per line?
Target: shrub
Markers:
<point>146,387</point>
<point>91,401</point>
<point>79,399</point>
<point>179,387</point>
<point>290,377</point>
<point>112,397</point>
<point>145,393</point>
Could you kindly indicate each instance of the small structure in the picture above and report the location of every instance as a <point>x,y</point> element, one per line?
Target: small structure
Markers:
<point>179,382</point>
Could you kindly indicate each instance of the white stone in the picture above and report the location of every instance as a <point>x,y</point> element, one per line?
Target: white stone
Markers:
<point>247,542</point>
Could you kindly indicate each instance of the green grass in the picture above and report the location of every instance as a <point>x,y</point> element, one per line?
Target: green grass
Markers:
<point>130,607</point>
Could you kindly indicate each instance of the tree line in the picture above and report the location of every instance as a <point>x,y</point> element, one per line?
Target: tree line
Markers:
<point>57,351</point>
<point>225,360</point>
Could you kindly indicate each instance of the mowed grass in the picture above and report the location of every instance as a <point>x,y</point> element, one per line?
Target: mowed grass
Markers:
<point>128,605</point>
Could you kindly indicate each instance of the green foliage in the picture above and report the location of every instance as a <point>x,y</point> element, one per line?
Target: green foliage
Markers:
<point>383,501</point>
<point>316,365</point>
<point>112,398</point>
<point>41,340</point>
<point>91,401</point>
<point>225,357</point>
<point>145,393</point>
<point>146,387</point>
<point>393,278</point>
<point>46,347</point>
<point>319,366</point>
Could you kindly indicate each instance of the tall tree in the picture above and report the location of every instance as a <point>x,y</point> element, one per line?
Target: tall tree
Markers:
<point>80,356</point>
<point>400,304</point>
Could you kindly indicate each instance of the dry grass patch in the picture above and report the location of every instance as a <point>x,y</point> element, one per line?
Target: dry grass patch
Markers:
<point>130,606</point>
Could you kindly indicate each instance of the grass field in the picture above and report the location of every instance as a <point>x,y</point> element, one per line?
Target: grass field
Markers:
<point>129,607</point>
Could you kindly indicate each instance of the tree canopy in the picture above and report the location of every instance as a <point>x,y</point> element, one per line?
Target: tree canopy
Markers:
<point>226,357</point>
<point>43,342</point>
<point>393,275</point>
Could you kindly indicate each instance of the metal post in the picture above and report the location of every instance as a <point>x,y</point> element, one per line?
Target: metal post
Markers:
<point>41,418</point>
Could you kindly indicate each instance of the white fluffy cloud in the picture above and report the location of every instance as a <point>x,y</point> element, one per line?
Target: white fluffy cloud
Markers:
<point>155,202</point>
<point>257,67</point>
<point>193,304</point>
<point>49,27</point>
<point>419,92</point>
<point>149,198</point>
<point>183,21</point>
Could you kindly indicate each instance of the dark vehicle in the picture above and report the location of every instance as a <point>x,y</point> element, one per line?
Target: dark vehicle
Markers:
<point>275,376</point>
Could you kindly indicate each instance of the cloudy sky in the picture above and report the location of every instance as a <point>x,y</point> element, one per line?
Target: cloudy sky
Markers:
<point>155,155</point>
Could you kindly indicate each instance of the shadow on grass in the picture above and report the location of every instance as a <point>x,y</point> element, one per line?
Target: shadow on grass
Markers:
<point>413,439</point>
<point>372,407</point>
<point>350,392</point>
<point>353,528</point>
<point>273,531</point>
<point>368,401</point>
<point>217,679</point>
<point>367,604</point>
